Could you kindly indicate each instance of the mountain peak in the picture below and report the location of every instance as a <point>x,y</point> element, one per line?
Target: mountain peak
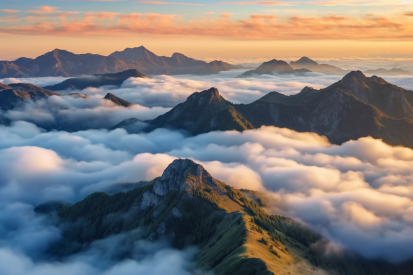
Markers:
<point>117,100</point>
<point>206,96</point>
<point>213,92</point>
<point>304,61</point>
<point>182,174</point>
<point>275,65</point>
<point>178,55</point>
<point>355,76</point>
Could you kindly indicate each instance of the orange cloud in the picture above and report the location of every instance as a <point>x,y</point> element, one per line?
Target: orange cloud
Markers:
<point>360,3</point>
<point>258,27</point>
<point>263,3</point>
<point>226,15</point>
<point>166,3</point>
<point>12,12</point>
<point>44,9</point>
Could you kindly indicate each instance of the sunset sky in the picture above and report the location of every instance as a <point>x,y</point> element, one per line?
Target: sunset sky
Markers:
<point>210,29</point>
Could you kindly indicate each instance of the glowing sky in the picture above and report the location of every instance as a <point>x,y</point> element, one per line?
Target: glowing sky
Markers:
<point>202,29</point>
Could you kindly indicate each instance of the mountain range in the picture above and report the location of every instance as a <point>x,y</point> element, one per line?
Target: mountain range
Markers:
<point>309,64</point>
<point>354,107</point>
<point>188,207</point>
<point>67,64</point>
<point>274,67</point>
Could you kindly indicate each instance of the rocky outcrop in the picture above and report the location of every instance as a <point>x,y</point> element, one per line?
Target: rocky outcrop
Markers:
<point>117,100</point>
<point>180,175</point>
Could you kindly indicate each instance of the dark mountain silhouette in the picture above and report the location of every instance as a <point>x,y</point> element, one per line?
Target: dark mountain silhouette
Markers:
<point>117,100</point>
<point>356,106</point>
<point>80,83</point>
<point>64,63</point>
<point>186,205</point>
<point>274,67</point>
<point>391,72</point>
<point>309,64</point>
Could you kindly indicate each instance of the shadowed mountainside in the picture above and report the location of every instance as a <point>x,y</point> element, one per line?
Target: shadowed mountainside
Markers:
<point>191,208</point>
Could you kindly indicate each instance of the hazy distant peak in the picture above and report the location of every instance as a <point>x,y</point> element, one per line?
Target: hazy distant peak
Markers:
<point>305,61</point>
<point>179,55</point>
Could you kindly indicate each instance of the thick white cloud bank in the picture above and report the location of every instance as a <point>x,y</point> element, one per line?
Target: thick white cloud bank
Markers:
<point>359,194</point>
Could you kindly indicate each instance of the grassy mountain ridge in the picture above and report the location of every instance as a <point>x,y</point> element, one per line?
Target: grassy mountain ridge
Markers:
<point>189,207</point>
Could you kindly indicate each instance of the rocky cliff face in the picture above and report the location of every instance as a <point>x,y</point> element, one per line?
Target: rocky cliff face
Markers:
<point>179,176</point>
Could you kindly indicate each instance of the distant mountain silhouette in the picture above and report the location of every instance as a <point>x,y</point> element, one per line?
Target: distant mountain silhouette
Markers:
<point>98,80</point>
<point>274,67</point>
<point>309,64</point>
<point>391,72</point>
<point>64,63</point>
<point>356,106</point>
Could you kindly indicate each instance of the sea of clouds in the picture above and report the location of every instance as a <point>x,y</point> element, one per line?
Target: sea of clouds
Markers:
<point>359,194</point>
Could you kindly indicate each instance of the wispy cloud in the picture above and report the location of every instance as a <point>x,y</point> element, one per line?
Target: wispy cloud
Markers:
<point>360,3</point>
<point>166,3</point>
<point>44,9</point>
<point>263,3</point>
<point>12,12</point>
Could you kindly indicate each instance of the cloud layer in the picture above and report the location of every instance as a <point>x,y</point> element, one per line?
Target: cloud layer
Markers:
<point>358,194</point>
